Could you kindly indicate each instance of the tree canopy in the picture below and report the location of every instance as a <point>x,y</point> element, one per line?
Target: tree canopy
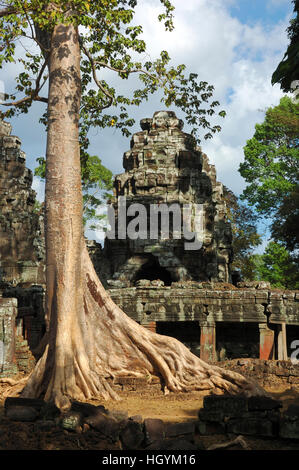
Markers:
<point>110,41</point>
<point>285,227</point>
<point>270,168</point>
<point>277,266</point>
<point>286,73</point>
<point>110,44</point>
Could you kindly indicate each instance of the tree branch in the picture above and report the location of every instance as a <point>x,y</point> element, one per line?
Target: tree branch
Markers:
<point>25,99</point>
<point>103,64</point>
<point>8,11</point>
<point>98,83</point>
<point>95,62</point>
<point>34,95</point>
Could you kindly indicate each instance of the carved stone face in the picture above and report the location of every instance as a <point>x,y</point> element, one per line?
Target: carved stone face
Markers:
<point>5,128</point>
<point>166,119</point>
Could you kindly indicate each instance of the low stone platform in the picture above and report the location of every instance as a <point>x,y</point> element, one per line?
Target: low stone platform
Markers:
<point>266,372</point>
<point>253,416</point>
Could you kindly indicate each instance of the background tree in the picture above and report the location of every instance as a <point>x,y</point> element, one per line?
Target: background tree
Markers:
<point>88,338</point>
<point>285,227</point>
<point>271,158</point>
<point>271,169</point>
<point>277,266</point>
<point>287,70</point>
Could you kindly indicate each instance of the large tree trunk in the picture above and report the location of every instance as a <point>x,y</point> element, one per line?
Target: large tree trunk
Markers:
<point>89,338</point>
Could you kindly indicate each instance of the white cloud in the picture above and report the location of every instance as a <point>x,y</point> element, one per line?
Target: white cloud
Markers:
<point>277,3</point>
<point>238,59</point>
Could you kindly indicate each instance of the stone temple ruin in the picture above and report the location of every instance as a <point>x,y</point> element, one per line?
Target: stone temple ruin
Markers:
<point>186,293</point>
<point>165,168</point>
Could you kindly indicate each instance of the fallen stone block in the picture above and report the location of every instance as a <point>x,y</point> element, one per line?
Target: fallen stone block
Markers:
<point>154,430</point>
<point>132,435</point>
<point>105,425</point>
<point>292,413</point>
<point>289,429</point>
<point>21,413</point>
<point>27,402</point>
<point>137,418</point>
<point>206,428</point>
<point>228,405</point>
<point>251,426</point>
<point>119,415</point>
<point>87,409</point>
<point>180,429</point>
<point>72,421</point>
<point>289,423</point>
<point>211,416</point>
<point>263,403</point>
<point>49,411</point>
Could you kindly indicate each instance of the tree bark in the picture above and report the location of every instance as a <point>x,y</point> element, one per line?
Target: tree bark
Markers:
<point>89,338</point>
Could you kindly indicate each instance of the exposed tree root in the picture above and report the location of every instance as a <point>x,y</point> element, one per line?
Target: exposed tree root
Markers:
<point>16,386</point>
<point>13,382</point>
<point>239,440</point>
<point>104,343</point>
<point>7,380</point>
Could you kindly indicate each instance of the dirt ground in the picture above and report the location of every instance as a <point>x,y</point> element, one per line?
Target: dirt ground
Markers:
<point>171,408</point>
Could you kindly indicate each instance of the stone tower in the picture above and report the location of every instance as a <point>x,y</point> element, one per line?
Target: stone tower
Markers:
<point>21,228</point>
<point>165,167</point>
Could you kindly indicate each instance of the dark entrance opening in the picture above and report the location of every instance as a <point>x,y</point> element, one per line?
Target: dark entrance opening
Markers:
<point>237,340</point>
<point>153,271</point>
<point>188,332</point>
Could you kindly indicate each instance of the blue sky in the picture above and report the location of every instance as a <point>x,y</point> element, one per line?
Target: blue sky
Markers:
<point>233,44</point>
<point>267,12</point>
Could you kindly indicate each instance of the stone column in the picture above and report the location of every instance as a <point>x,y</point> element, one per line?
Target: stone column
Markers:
<point>208,342</point>
<point>282,342</point>
<point>267,350</point>
<point>8,313</point>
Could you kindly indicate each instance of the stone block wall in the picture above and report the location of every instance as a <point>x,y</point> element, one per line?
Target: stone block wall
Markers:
<point>268,373</point>
<point>21,227</point>
<point>30,320</point>
<point>254,416</point>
